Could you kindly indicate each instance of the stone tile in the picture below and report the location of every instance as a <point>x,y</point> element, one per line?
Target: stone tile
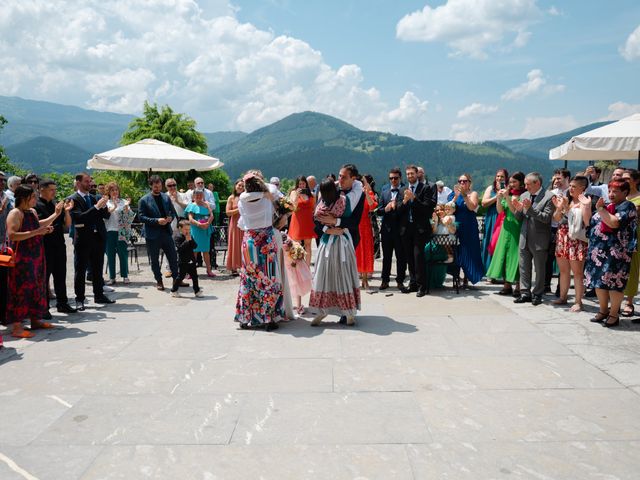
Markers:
<point>46,463</point>
<point>73,343</point>
<point>471,322</point>
<point>178,346</point>
<point>531,415</point>
<point>530,460</point>
<point>467,373</point>
<point>328,418</point>
<point>281,345</point>
<point>264,375</point>
<point>397,345</point>
<point>146,419</point>
<point>507,344</point>
<point>320,462</point>
<point>24,417</point>
<point>64,377</point>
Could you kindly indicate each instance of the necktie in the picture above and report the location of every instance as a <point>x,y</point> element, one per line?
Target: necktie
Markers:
<point>87,199</point>
<point>533,199</point>
<point>413,190</point>
<point>394,190</point>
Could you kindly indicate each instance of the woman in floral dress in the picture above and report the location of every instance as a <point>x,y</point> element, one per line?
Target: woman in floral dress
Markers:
<point>260,297</point>
<point>612,241</point>
<point>26,282</point>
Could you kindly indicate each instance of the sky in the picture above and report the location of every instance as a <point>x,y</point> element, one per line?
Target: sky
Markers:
<point>469,70</point>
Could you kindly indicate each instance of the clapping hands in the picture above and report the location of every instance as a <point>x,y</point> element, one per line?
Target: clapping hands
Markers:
<point>584,200</point>
<point>600,203</point>
<point>526,204</point>
<point>517,205</point>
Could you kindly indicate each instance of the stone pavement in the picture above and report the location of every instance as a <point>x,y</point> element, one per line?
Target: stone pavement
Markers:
<point>465,386</point>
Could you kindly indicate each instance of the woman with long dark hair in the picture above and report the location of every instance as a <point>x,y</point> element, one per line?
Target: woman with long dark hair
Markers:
<point>301,228</point>
<point>364,250</point>
<point>26,281</point>
<point>492,219</point>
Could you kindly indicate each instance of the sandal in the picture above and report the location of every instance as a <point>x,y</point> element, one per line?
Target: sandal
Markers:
<point>612,324</point>
<point>22,334</point>
<point>38,325</point>
<point>629,310</point>
<point>505,291</point>
<point>600,317</point>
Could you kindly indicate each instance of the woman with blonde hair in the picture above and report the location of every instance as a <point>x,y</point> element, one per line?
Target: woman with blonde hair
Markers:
<point>118,227</point>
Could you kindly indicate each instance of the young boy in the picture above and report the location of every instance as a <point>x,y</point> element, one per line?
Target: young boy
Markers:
<point>186,259</point>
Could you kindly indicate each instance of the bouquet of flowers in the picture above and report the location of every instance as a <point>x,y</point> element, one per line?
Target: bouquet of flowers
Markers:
<point>285,206</point>
<point>295,252</point>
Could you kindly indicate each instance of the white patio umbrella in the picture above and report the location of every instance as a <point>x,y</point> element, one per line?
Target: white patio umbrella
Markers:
<point>150,154</point>
<point>617,141</point>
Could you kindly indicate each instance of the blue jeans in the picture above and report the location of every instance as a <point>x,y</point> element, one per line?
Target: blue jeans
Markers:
<point>164,242</point>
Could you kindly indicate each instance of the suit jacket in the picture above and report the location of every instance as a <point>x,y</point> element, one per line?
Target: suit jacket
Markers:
<point>420,209</point>
<point>350,222</point>
<point>149,214</point>
<point>390,219</point>
<point>86,219</point>
<point>535,230</point>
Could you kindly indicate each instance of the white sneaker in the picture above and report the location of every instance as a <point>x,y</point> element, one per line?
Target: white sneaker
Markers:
<point>107,288</point>
<point>200,293</point>
<point>175,294</point>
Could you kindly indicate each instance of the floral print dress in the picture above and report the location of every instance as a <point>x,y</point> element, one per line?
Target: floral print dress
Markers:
<point>609,256</point>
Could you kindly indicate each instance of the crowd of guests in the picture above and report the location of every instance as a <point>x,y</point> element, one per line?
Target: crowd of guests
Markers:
<point>578,225</point>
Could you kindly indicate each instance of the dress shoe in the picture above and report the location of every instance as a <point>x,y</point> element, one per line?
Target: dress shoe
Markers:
<point>343,320</point>
<point>522,299</point>
<point>421,293</point>
<point>160,285</point>
<point>66,308</point>
<point>47,315</point>
<point>535,301</point>
<point>505,291</point>
<point>409,289</point>
<point>384,286</point>
<point>80,306</point>
<point>104,300</point>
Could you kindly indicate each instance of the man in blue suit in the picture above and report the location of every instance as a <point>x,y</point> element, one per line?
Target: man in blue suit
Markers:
<point>156,211</point>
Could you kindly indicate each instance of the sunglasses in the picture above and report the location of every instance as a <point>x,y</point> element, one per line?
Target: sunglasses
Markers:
<point>463,181</point>
<point>33,182</point>
<point>394,178</point>
<point>170,185</point>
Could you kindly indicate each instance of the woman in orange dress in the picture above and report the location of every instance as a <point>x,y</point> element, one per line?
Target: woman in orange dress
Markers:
<point>364,251</point>
<point>234,235</point>
<point>302,227</point>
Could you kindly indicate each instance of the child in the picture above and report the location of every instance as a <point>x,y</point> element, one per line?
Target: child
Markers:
<point>298,271</point>
<point>186,258</point>
<point>444,223</point>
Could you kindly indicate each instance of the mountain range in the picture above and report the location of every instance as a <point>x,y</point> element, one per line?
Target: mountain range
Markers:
<point>48,137</point>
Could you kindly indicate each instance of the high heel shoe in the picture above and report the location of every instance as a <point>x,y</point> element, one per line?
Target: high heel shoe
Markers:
<point>612,324</point>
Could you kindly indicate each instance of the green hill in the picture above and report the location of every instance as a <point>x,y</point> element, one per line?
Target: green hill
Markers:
<point>46,154</point>
<point>313,143</point>
<point>218,139</point>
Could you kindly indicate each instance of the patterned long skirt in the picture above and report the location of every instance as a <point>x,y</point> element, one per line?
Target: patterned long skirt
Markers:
<point>260,295</point>
<point>336,286</point>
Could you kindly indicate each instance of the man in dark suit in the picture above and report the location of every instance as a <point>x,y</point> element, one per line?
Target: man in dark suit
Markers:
<point>534,209</point>
<point>390,200</point>
<point>156,211</point>
<point>88,214</point>
<point>416,209</point>
<point>55,249</point>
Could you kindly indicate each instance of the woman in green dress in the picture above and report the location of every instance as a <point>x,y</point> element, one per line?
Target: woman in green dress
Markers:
<point>633,177</point>
<point>201,217</point>
<point>505,260</point>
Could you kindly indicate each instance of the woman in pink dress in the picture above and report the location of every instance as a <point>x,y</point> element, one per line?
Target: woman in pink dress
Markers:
<point>364,251</point>
<point>234,234</point>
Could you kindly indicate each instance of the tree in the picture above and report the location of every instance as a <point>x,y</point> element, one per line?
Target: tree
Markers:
<point>5,164</point>
<point>166,126</point>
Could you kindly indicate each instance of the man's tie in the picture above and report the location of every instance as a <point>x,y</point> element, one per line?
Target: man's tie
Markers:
<point>394,190</point>
<point>87,198</point>
<point>413,190</point>
<point>533,198</point>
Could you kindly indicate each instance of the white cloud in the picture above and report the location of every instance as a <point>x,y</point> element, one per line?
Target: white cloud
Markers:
<point>477,109</point>
<point>536,83</point>
<point>620,110</point>
<point>545,126</point>
<point>466,132</point>
<point>471,27</point>
<point>631,49</point>
<point>554,11</point>
<point>197,57</point>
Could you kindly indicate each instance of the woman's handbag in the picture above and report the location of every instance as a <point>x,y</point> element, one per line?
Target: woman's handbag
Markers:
<point>7,254</point>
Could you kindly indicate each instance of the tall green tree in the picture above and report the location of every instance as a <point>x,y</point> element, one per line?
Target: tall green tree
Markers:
<point>5,164</point>
<point>167,126</point>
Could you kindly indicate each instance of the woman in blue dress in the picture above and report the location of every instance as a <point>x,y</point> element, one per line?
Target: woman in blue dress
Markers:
<point>489,201</point>
<point>468,255</point>
<point>201,217</point>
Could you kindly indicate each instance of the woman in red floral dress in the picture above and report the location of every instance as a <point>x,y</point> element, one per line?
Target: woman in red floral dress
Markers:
<point>27,280</point>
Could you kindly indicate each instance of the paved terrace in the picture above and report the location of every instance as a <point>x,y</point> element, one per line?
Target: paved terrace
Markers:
<point>464,386</point>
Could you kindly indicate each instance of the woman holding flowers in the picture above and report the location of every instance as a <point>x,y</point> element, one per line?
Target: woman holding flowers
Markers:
<point>301,228</point>
<point>200,217</point>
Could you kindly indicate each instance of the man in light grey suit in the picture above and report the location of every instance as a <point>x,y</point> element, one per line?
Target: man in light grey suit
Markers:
<point>535,210</point>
